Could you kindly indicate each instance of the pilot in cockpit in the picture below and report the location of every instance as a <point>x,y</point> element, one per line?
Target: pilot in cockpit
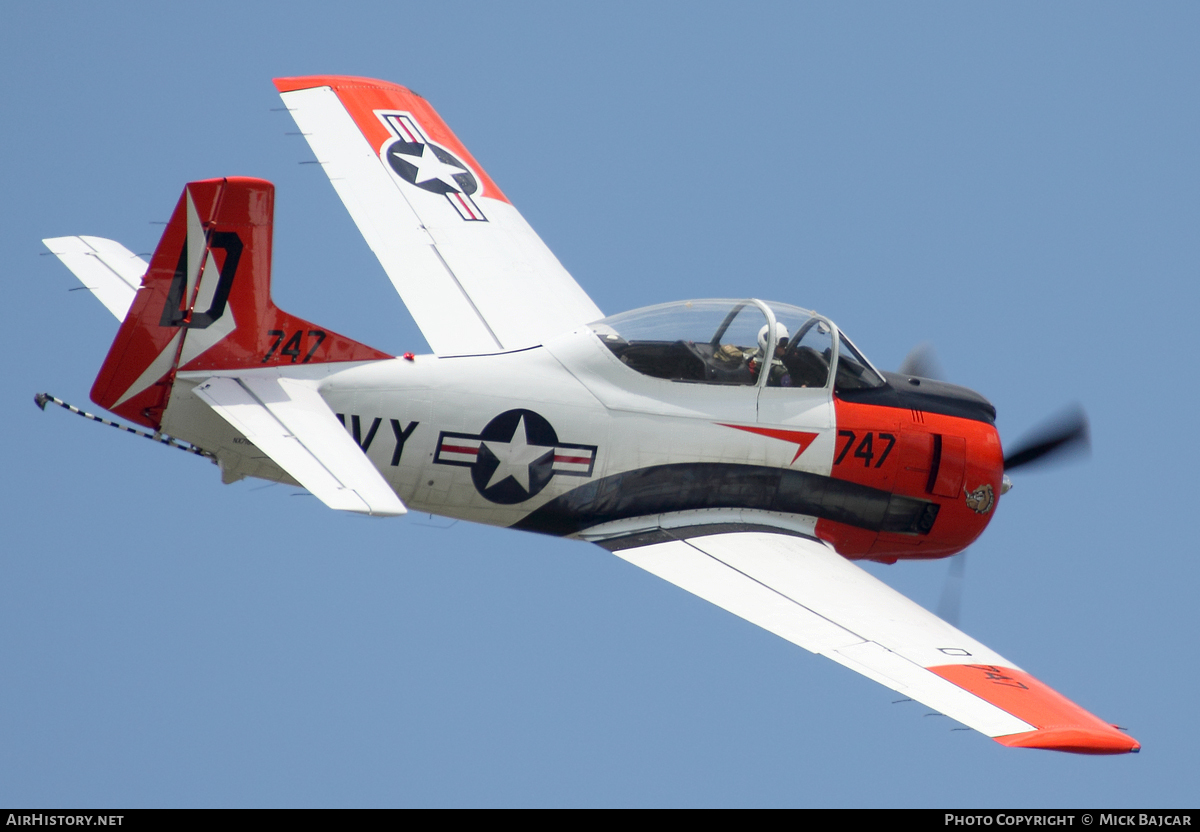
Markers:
<point>779,376</point>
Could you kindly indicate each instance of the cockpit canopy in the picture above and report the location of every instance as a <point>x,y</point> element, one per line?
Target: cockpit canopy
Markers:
<point>728,342</point>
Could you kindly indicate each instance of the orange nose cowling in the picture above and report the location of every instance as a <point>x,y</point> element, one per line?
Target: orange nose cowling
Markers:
<point>956,463</point>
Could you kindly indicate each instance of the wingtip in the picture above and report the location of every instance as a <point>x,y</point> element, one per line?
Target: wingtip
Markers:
<point>1059,723</point>
<point>1074,741</point>
<point>307,82</point>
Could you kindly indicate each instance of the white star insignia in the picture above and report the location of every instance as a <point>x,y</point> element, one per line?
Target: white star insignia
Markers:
<point>430,167</point>
<point>515,455</point>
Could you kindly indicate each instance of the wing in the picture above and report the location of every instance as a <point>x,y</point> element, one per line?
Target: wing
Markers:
<point>110,271</point>
<point>290,423</point>
<point>802,590</point>
<point>474,275</point>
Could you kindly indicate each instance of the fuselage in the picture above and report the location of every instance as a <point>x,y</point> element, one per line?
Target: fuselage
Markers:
<point>572,438</point>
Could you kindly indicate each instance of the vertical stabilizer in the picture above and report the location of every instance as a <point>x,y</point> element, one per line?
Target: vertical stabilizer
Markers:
<point>205,304</point>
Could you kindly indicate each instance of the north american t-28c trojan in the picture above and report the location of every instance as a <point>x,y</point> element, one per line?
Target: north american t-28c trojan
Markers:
<point>743,450</point>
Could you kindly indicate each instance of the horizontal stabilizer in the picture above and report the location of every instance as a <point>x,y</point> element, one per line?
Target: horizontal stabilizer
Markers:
<point>106,268</point>
<point>802,590</point>
<point>289,421</point>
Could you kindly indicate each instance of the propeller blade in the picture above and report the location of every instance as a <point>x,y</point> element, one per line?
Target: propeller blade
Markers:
<point>922,361</point>
<point>950,604</point>
<point>1064,434</point>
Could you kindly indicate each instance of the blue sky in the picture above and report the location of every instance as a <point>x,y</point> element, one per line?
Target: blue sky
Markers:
<point>1016,183</point>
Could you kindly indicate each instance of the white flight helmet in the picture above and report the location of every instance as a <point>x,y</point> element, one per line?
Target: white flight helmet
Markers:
<point>781,334</point>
